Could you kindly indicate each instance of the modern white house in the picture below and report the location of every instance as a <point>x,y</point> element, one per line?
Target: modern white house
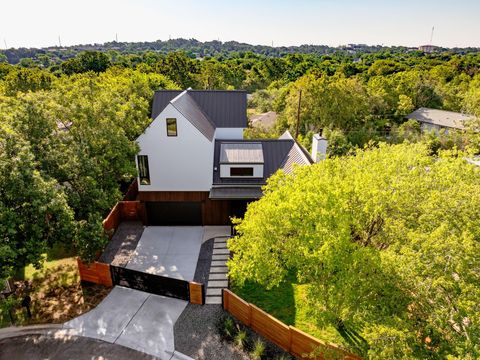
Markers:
<point>436,120</point>
<point>194,166</point>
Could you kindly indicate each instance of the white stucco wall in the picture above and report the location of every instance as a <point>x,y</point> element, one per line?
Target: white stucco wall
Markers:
<point>176,163</point>
<point>257,170</point>
<point>229,133</point>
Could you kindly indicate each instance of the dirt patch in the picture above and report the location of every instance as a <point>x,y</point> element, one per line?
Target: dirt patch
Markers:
<point>56,295</point>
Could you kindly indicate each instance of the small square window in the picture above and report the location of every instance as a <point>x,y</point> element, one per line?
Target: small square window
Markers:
<point>171,127</point>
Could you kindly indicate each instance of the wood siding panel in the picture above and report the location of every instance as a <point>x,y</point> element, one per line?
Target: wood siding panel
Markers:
<point>214,212</point>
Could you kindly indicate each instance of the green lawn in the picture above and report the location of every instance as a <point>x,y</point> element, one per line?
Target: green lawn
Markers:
<point>286,303</point>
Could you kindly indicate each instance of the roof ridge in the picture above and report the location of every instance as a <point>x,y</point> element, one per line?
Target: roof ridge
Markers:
<point>199,108</point>
<point>254,140</point>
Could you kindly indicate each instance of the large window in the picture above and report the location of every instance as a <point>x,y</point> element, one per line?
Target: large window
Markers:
<point>171,127</point>
<point>143,171</point>
<point>241,171</point>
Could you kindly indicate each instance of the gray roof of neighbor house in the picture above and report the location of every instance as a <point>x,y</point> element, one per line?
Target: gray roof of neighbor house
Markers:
<point>266,120</point>
<point>223,108</point>
<point>277,154</point>
<point>441,118</point>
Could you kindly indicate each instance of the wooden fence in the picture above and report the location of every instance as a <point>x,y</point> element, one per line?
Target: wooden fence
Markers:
<point>124,211</point>
<point>287,337</point>
<point>96,272</point>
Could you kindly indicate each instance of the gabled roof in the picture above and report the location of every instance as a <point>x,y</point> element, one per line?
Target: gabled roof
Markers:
<point>442,118</point>
<point>192,112</point>
<point>224,108</point>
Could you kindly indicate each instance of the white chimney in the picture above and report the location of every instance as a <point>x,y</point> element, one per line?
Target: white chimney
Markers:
<point>319,148</point>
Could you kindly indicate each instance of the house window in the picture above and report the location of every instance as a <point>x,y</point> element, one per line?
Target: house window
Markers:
<point>241,171</point>
<point>171,127</point>
<point>143,171</point>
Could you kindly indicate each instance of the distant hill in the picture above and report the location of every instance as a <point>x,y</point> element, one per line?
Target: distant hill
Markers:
<point>197,48</point>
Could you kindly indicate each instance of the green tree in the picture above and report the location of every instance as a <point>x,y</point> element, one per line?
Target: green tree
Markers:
<point>386,241</point>
<point>34,213</point>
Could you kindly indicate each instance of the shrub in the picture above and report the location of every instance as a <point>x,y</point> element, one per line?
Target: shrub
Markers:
<point>258,349</point>
<point>229,327</point>
<point>241,339</point>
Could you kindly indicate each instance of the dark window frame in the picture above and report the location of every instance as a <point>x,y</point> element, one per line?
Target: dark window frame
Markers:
<point>242,171</point>
<point>143,170</point>
<point>174,124</point>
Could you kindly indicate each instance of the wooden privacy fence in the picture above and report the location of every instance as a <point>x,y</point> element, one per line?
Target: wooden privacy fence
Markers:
<point>289,338</point>
<point>96,272</point>
<point>108,275</point>
<point>123,211</point>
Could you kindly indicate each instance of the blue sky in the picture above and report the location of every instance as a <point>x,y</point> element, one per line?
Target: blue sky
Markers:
<point>39,23</point>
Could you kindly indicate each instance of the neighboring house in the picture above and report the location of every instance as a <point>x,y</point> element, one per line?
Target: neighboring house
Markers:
<point>266,120</point>
<point>434,119</point>
<point>194,166</point>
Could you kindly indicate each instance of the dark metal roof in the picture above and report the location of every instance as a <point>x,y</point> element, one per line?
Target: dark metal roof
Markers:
<point>189,108</point>
<point>218,193</point>
<point>161,99</point>
<point>275,155</point>
<point>224,108</point>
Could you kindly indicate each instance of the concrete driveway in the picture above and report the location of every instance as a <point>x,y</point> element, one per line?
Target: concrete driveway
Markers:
<point>168,251</point>
<point>134,319</point>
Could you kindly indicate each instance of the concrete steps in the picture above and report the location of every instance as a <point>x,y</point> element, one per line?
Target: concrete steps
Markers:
<point>217,279</point>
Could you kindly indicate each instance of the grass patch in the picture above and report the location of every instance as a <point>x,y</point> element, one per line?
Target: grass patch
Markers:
<point>287,303</point>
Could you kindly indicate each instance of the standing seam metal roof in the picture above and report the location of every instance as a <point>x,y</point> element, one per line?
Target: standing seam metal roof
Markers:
<point>224,108</point>
<point>277,154</point>
<point>241,153</point>
<point>189,108</point>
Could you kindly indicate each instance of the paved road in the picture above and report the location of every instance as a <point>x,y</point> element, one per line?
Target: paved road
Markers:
<point>56,346</point>
<point>168,251</point>
<point>133,318</point>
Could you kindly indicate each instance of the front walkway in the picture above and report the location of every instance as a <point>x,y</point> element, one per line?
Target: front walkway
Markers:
<point>134,319</point>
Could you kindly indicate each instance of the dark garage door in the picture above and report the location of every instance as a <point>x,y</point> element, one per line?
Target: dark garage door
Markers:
<point>174,213</point>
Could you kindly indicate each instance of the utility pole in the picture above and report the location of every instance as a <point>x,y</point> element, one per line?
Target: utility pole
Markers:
<point>431,36</point>
<point>116,37</point>
<point>298,113</point>
<point>59,41</point>
<point>5,42</point>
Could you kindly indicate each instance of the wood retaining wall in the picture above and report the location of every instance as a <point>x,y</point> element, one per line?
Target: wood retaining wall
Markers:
<point>287,337</point>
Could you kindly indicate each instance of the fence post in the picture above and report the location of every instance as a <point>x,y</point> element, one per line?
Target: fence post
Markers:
<point>225,299</point>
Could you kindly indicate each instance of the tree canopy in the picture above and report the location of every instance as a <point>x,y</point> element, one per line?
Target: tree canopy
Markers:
<point>386,240</point>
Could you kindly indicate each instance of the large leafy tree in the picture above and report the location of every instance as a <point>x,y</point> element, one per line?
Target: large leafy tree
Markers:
<point>387,243</point>
<point>34,213</point>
